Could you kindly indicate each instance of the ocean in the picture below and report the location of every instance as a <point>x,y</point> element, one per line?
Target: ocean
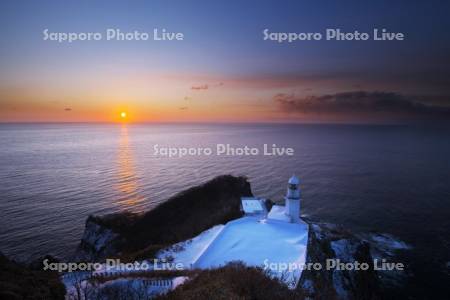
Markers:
<point>386,178</point>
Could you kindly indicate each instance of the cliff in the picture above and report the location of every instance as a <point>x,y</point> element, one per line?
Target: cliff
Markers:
<point>181,217</point>
<point>328,243</point>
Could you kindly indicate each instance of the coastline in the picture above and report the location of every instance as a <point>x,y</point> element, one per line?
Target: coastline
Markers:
<point>341,283</point>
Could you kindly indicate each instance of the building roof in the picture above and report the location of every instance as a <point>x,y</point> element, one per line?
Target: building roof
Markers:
<point>294,180</point>
<point>252,205</point>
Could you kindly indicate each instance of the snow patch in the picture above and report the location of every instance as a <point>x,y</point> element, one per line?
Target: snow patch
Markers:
<point>389,242</point>
<point>343,250</point>
<point>278,213</point>
<point>187,252</point>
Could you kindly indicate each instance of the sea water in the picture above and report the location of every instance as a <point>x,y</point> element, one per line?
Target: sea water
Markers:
<point>387,178</point>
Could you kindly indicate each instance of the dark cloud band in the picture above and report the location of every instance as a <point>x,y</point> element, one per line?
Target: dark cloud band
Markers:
<point>360,102</point>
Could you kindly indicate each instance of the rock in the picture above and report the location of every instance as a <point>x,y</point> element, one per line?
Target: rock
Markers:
<point>386,246</point>
<point>327,242</point>
<point>97,243</point>
<point>38,264</point>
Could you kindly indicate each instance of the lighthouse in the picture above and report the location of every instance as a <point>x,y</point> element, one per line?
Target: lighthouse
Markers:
<point>292,208</point>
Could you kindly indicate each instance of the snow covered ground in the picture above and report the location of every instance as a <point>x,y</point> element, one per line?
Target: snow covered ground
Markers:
<point>252,240</point>
<point>189,251</point>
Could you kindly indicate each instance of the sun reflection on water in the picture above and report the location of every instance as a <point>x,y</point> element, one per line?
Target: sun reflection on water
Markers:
<point>127,180</point>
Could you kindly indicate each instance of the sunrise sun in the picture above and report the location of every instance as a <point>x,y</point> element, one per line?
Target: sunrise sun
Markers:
<point>123,115</point>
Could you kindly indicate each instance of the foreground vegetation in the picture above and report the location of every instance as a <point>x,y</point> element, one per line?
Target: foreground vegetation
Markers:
<point>234,281</point>
<point>22,282</point>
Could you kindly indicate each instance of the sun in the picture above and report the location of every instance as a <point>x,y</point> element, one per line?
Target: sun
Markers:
<point>123,115</point>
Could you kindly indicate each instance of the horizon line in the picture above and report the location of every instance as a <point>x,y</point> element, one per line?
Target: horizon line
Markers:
<point>218,123</point>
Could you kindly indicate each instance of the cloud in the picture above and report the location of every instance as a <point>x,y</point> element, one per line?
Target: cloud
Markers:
<point>183,108</point>
<point>206,86</point>
<point>67,109</point>
<point>360,102</point>
<point>199,87</point>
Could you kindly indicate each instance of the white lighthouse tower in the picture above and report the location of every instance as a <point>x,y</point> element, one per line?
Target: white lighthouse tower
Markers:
<point>292,208</point>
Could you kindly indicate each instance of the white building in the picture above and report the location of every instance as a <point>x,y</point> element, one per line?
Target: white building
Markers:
<point>291,211</point>
<point>253,206</point>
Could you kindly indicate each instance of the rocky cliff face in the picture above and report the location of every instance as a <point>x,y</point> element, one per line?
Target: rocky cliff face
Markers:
<point>335,244</point>
<point>97,242</point>
<point>328,244</point>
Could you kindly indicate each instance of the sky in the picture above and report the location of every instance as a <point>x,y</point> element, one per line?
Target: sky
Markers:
<point>223,70</point>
